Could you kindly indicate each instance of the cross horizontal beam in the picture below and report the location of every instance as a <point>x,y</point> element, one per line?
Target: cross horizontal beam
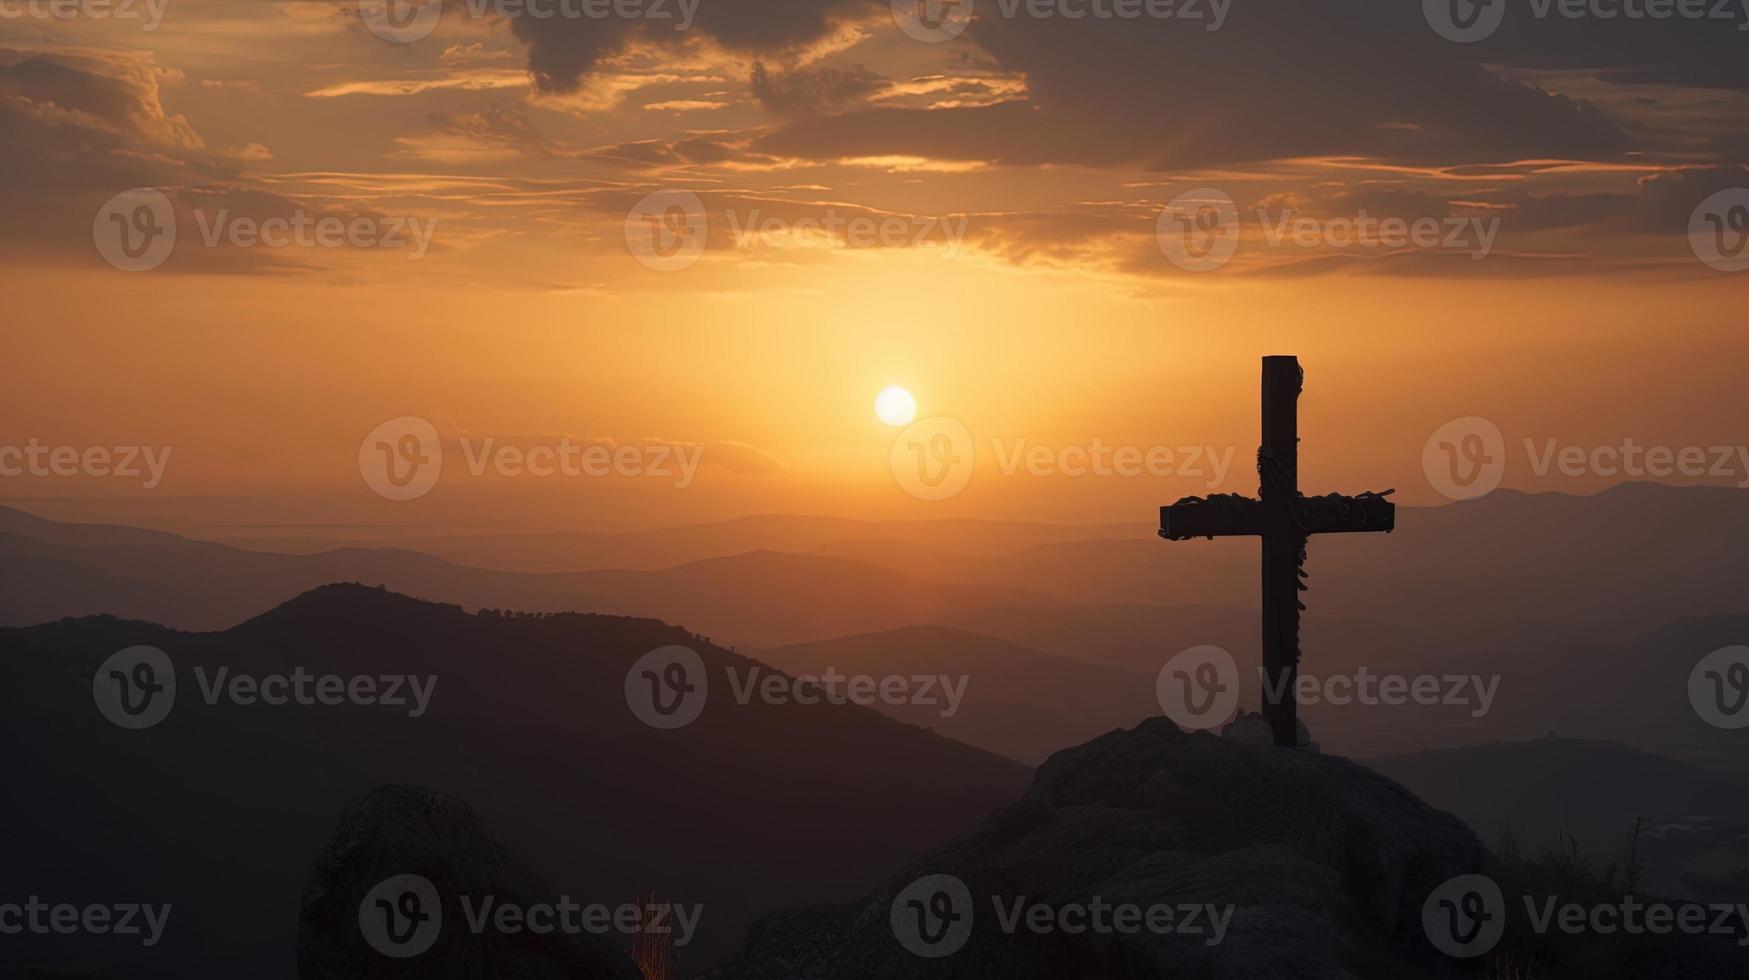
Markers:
<point>1230,515</point>
<point>1335,513</point>
<point>1224,515</point>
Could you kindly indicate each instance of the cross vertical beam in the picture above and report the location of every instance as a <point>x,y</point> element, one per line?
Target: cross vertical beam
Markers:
<point>1284,541</point>
<point>1283,518</point>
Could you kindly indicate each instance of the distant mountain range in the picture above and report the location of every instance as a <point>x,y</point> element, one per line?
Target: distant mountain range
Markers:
<point>1695,821</point>
<point>222,808</point>
<point>1505,567</point>
<point>1590,611</point>
<point>1016,701</point>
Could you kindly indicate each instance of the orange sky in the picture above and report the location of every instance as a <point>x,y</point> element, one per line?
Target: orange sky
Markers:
<point>1055,317</point>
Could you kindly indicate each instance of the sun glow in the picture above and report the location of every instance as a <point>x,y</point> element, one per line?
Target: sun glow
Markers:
<point>895,406</point>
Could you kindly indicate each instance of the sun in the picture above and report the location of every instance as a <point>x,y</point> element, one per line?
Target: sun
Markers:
<point>895,406</point>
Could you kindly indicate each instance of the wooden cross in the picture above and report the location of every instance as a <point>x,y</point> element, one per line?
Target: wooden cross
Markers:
<point>1283,518</point>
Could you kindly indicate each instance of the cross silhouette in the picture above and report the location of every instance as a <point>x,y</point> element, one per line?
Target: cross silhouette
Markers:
<point>1284,519</point>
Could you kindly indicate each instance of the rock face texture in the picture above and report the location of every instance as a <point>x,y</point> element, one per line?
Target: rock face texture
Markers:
<point>1319,865</point>
<point>401,834</point>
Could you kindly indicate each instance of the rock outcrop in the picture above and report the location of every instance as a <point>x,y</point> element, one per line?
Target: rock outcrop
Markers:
<point>1320,867</point>
<point>400,833</point>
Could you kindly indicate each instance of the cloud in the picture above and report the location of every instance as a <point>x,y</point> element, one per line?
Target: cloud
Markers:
<point>813,91</point>
<point>85,121</point>
<point>563,51</point>
<point>1278,80</point>
<point>469,80</point>
<point>700,149</point>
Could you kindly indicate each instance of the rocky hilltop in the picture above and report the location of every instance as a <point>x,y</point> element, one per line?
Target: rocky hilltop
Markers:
<point>1321,866</point>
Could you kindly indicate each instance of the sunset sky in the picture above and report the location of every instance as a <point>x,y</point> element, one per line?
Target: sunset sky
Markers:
<point>1026,163</point>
